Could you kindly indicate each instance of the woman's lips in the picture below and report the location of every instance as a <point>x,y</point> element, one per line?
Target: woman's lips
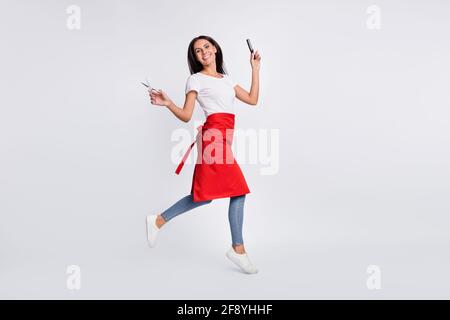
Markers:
<point>206,57</point>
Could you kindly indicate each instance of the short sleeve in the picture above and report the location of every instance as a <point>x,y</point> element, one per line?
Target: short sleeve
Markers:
<point>230,79</point>
<point>192,84</point>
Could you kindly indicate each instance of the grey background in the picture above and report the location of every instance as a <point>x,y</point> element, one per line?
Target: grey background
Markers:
<point>364,159</point>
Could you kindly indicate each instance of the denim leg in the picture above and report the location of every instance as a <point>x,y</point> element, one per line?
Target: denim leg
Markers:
<point>236,218</point>
<point>184,204</point>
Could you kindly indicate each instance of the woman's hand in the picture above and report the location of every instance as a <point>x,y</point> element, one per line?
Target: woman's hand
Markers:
<point>159,98</point>
<point>255,60</point>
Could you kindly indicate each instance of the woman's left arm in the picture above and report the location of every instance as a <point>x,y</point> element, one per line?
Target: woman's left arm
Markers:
<point>252,96</point>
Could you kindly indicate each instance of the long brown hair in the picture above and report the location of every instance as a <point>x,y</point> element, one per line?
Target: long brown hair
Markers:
<point>195,66</point>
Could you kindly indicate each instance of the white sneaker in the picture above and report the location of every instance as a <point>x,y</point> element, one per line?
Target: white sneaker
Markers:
<point>242,261</point>
<point>152,229</point>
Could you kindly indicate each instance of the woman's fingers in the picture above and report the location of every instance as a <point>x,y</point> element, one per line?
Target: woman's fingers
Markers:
<point>153,94</point>
<point>156,96</point>
<point>256,56</point>
<point>152,97</point>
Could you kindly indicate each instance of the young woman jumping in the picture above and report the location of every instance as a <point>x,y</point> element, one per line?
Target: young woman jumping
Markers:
<point>215,91</point>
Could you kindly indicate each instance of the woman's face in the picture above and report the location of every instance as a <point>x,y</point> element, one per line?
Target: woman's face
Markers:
<point>205,52</point>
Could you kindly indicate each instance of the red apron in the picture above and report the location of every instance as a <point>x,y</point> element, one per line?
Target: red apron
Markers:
<point>216,173</point>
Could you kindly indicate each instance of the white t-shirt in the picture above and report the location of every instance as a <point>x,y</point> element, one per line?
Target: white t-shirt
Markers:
<point>213,94</point>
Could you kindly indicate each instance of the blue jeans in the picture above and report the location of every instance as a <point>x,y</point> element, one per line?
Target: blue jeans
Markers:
<point>235,213</point>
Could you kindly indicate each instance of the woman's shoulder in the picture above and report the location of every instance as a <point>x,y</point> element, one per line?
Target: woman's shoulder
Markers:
<point>194,78</point>
<point>194,75</point>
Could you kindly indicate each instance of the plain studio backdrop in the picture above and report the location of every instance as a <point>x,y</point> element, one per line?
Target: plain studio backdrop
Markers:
<point>355,205</point>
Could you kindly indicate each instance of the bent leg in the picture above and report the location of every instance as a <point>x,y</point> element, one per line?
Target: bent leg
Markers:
<point>184,204</point>
<point>236,219</point>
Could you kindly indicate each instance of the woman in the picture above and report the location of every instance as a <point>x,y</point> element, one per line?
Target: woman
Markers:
<point>216,173</point>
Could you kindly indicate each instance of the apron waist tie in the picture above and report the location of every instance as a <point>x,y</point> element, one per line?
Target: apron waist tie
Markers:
<point>180,166</point>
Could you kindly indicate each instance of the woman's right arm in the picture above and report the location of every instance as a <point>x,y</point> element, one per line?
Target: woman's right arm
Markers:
<point>185,113</point>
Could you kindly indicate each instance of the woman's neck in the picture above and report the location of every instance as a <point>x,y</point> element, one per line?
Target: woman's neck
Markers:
<point>210,70</point>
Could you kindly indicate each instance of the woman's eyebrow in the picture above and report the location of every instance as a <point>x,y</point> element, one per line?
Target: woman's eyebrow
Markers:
<point>203,45</point>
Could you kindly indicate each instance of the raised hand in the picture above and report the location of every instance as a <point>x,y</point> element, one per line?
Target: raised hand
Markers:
<point>255,60</point>
<point>159,98</point>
